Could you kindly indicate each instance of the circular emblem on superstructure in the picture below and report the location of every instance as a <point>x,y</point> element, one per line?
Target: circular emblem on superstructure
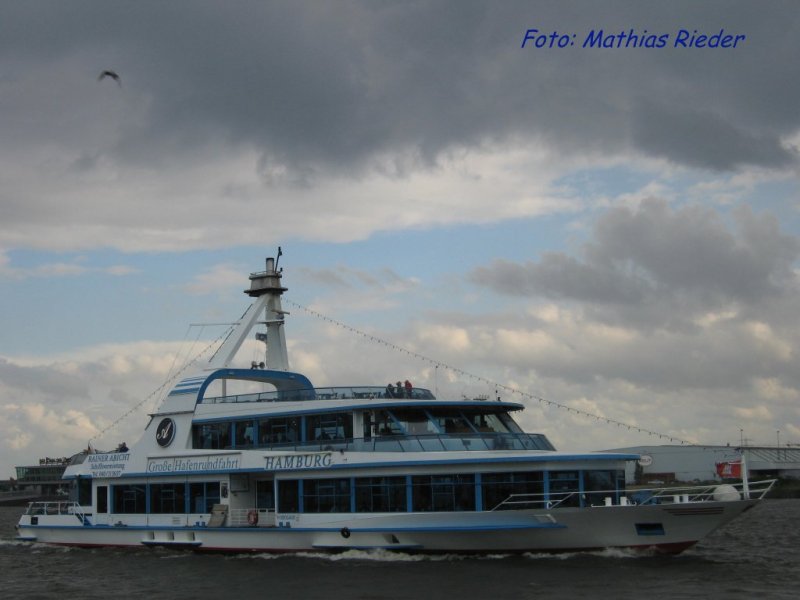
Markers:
<point>645,460</point>
<point>165,432</point>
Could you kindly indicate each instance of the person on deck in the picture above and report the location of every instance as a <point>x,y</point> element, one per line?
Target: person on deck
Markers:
<point>409,388</point>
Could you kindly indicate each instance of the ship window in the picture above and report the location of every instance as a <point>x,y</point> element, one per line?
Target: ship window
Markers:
<point>599,485</point>
<point>450,421</point>
<point>650,529</point>
<point>203,496</point>
<point>244,434</point>
<point>414,421</point>
<point>272,432</point>
<point>84,491</point>
<point>102,499</point>
<point>168,498</point>
<point>326,495</point>
<point>288,496</point>
<point>385,424</point>
<point>565,488</point>
<point>510,423</point>
<point>211,435</point>
<point>512,491</point>
<point>443,493</point>
<point>486,422</point>
<point>381,494</point>
<point>129,499</point>
<point>265,495</point>
<point>329,426</point>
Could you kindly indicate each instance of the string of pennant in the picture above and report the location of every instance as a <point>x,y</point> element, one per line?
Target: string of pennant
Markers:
<point>487,381</point>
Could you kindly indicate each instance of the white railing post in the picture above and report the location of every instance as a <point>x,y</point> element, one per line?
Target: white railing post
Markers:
<point>745,483</point>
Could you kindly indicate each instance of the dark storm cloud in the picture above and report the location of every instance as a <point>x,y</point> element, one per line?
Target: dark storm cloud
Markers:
<point>655,265</point>
<point>703,139</point>
<point>318,86</point>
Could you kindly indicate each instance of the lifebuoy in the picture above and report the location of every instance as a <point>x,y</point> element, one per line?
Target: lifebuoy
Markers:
<point>252,517</point>
<point>345,532</point>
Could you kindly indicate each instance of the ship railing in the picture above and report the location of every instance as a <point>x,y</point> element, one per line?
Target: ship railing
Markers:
<point>251,517</point>
<point>755,490</point>
<point>538,500</point>
<point>54,508</point>
<point>418,443</point>
<point>327,393</point>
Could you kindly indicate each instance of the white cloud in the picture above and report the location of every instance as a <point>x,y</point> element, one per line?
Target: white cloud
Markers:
<point>58,269</point>
<point>218,279</point>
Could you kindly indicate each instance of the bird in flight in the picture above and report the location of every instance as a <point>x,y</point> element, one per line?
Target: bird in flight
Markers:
<point>112,74</point>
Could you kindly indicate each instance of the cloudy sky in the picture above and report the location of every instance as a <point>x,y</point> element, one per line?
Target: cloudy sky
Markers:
<point>615,229</point>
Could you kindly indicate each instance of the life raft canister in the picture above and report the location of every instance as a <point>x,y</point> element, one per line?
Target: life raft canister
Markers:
<point>252,517</point>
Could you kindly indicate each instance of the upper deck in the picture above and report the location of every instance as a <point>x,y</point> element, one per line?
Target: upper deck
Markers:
<point>270,407</point>
<point>324,393</point>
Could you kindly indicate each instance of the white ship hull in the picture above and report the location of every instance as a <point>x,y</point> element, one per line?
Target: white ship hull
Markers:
<point>669,528</point>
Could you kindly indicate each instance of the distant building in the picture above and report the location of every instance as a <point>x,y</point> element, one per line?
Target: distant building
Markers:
<point>43,479</point>
<point>673,463</point>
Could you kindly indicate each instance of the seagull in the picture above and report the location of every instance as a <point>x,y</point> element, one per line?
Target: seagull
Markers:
<point>112,75</point>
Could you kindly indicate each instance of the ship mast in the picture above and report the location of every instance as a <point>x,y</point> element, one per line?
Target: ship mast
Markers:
<point>266,288</point>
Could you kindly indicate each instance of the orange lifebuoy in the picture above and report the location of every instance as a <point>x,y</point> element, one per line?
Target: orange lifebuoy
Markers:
<point>252,517</point>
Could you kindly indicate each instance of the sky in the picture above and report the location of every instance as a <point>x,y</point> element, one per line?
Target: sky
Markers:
<point>581,201</point>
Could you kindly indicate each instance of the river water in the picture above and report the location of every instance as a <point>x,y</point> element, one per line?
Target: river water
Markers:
<point>756,556</point>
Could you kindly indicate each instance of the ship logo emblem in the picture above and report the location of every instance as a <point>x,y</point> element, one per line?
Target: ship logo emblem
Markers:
<point>165,432</point>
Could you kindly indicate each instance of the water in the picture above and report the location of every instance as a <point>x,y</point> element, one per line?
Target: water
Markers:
<point>758,555</point>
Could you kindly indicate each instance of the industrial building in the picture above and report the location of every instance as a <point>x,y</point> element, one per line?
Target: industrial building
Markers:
<point>686,463</point>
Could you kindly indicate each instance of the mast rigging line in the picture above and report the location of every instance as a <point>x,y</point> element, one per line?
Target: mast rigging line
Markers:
<point>167,381</point>
<point>497,385</point>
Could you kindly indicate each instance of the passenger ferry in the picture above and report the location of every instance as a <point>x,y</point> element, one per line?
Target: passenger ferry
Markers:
<point>288,467</point>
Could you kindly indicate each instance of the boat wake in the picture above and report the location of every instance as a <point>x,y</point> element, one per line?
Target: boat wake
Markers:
<point>377,555</point>
<point>614,553</point>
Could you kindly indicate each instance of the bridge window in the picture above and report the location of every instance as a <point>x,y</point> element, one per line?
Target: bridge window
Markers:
<point>329,426</point>
<point>244,434</point>
<point>386,424</point>
<point>278,431</point>
<point>450,421</point>
<point>211,435</point>
<point>414,421</point>
<point>485,422</point>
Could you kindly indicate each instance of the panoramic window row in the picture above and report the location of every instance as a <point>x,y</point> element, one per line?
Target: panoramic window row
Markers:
<point>403,493</point>
<point>159,498</point>
<point>270,432</point>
